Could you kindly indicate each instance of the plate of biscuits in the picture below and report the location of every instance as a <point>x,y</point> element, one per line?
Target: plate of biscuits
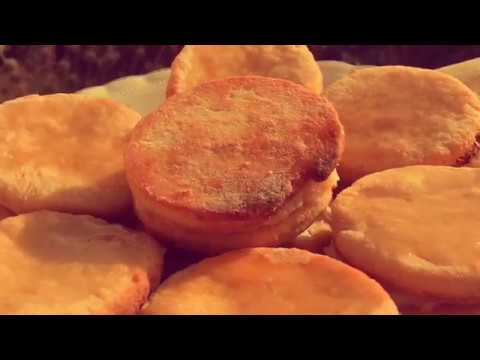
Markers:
<point>245,180</point>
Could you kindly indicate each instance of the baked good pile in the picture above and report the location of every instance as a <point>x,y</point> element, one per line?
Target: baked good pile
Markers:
<point>259,186</point>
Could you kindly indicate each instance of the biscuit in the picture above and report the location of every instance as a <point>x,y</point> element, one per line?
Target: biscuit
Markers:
<point>197,64</point>
<point>272,281</point>
<point>240,162</point>
<point>56,263</point>
<point>64,153</point>
<point>415,228</point>
<point>398,116</point>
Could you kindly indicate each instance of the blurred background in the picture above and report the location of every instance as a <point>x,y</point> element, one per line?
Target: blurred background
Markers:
<point>43,69</point>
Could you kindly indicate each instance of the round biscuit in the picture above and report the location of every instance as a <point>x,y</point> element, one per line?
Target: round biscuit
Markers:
<point>271,281</point>
<point>64,152</point>
<point>232,157</point>
<point>57,263</point>
<point>415,228</point>
<point>397,116</point>
<point>197,64</point>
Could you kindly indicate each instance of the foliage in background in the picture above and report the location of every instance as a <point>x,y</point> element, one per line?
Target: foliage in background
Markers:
<point>427,56</point>
<point>45,69</point>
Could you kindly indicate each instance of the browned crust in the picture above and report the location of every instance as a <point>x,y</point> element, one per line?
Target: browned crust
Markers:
<point>175,81</point>
<point>217,244</point>
<point>134,298</point>
<point>137,295</point>
<point>193,61</point>
<point>387,148</point>
<point>475,149</point>
<point>326,166</point>
<point>315,163</point>
<point>273,257</point>
<point>213,237</point>
<point>144,279</point>
<point>81,140</point>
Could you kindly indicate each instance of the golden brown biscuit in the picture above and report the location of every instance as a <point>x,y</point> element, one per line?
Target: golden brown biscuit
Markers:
<point>397,116</point>
<point>64,153</point>
<point>415,228</point>
<point>240,162</point>
<point>56,263</point>
<point>317,237</point>
<point>197,64</point>
<point>270,281</point>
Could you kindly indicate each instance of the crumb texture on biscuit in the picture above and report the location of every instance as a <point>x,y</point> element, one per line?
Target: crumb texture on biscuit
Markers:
<point>238,147</point>
<point>197,64</point>
<point>64,152</point>
<point>415,228</point>
<point>398,116</point>
<point>56,263</point>
<point>270,281</point>
<point>185,230</point>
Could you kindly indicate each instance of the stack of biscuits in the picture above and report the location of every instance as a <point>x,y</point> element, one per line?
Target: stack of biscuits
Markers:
<point>257,187</point>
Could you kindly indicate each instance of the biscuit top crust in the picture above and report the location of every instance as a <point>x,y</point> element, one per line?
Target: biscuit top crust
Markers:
<point>74,134</point>
<point>62,142</point>
<point>57,263</point>
<point>235,148</point>
<point>201,63</point>
<point>397,116</point>
<point>428,213</point>
<point>415,227</point>
<point>270,281</point>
